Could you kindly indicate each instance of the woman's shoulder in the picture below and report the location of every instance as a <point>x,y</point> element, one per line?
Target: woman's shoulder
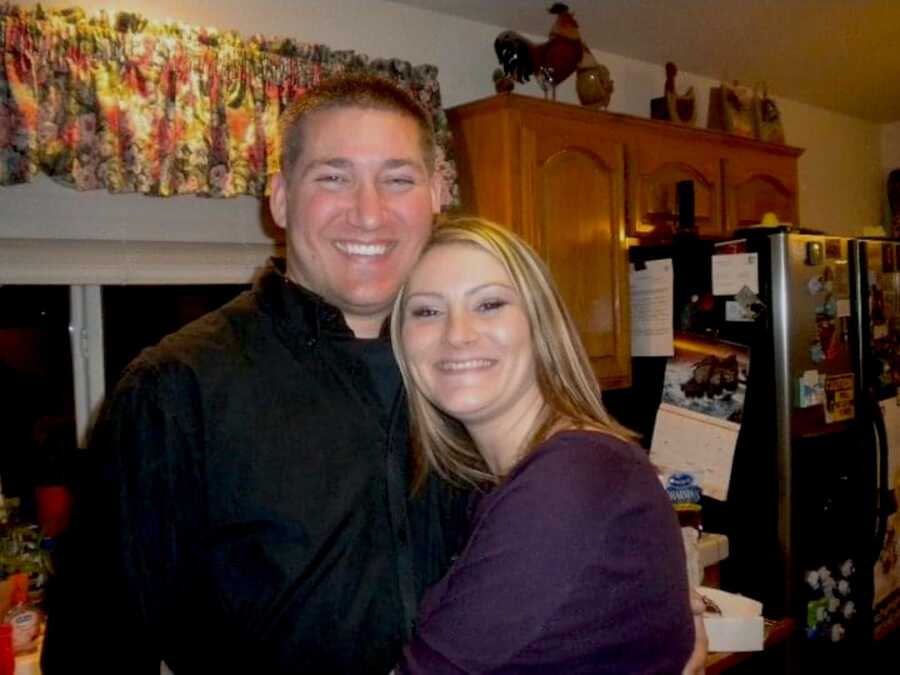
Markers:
<point>582,470</point>
<point>586,449</point>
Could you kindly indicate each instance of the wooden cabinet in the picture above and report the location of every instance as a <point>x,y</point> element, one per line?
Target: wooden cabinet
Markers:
<point>735,181</point>
<point>756,182</point>
<point>575,183</point>
<point>658,162</point>
<point>548,174</point>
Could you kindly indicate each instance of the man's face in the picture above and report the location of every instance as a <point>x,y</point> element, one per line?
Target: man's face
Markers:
<point>358,208</point>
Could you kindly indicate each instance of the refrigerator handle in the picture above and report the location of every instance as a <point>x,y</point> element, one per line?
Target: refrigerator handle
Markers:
<point>882,493</point>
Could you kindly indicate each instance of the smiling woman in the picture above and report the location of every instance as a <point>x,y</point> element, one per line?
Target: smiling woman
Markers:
<point>464,257</point>
<point>468,344</point>
<point>575,562</point>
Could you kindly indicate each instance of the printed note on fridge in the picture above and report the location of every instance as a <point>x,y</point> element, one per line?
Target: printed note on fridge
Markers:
<point>731,272</point>
<point>651,309</point>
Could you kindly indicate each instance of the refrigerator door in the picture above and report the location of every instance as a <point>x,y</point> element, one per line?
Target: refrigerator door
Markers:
<point>829,501</point>
<point>819,340</point>
<point>880,366</point>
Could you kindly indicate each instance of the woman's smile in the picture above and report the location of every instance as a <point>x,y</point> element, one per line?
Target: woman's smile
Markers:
<point>465,366</point>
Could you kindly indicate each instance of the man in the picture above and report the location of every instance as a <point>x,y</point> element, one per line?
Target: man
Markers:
<point>253,513</point>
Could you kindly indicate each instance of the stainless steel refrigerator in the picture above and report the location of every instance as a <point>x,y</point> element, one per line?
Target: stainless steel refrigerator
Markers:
<point>810,508</point>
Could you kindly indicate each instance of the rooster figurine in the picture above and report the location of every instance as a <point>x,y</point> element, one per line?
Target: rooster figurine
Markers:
<point>550,62</point>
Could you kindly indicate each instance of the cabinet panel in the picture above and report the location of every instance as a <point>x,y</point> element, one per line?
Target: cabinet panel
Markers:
<point>488,161</point>
<point>757,183</point>
<point>576,224</point>
<point>656,166</point>
<point>759,195</point>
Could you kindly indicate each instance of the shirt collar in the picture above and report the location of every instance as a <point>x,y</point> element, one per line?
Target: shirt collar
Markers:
<point>298,312</point>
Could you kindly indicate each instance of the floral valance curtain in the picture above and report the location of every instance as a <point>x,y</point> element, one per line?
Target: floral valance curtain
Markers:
<point>129,105</point>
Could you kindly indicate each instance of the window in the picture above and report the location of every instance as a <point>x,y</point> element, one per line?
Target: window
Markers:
<point>37,406</point>
<point>68,329</point>
<point>135,317</point>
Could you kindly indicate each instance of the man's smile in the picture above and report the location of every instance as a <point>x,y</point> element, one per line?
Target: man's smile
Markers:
<point>359,249</point>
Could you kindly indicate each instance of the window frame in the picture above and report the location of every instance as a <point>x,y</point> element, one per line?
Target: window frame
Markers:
<point>86,266</point>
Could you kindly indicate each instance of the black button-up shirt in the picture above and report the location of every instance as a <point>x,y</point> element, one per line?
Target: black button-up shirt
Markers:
<point>253,512</point>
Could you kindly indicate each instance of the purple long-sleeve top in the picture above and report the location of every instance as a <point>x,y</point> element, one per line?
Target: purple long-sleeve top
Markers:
<point>575,564</point>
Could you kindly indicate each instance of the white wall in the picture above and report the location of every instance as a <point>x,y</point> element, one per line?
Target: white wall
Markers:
<point>841,172</point>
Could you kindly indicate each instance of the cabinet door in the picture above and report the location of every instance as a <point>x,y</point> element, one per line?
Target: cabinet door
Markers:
<point>573,203</point>
<point>657,163</point>
<point>757,183</point>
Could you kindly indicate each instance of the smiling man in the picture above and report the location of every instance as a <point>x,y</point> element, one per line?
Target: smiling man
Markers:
<point>253,513</point>
<point>357,199</point>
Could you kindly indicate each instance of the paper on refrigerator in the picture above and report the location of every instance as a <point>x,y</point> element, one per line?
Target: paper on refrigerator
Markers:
<point>732,271</point>
<point>698,422</point>
<point>685,441</point>
<point>651,308</point>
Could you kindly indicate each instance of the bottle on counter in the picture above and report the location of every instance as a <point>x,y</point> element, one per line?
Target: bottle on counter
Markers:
<point>25,621</point>
<point>686,493</point>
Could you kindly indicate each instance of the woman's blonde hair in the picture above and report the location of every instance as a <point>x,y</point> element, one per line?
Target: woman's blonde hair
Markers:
<point>563,372</point>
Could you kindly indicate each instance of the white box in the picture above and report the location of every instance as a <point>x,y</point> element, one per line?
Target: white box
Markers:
<point>739,628</point>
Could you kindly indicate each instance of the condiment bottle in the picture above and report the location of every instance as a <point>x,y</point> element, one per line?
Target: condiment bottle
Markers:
<point>25,621</point>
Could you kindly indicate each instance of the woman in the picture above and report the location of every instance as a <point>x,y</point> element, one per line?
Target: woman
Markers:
<point>575,562</point>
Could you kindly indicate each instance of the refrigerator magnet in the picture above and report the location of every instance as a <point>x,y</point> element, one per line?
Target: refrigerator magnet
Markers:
<point>828,308</point>
<point>809,389</point>
<point>816,353</point>
<point>735,311</point>
<point>814,253</point>
<point>746,306</point>
<point>828,278</point>
<point>839,397</point>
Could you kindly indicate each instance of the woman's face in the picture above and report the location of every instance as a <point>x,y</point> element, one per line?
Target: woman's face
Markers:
<point>466,336</point>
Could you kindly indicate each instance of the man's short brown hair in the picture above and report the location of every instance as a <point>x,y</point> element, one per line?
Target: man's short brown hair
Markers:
<point>355,90</point>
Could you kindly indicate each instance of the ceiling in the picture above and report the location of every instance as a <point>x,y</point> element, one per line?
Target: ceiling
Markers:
<point>842,55</point>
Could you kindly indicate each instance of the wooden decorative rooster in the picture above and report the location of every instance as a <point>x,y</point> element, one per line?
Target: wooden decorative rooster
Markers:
<point>550,62</point>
